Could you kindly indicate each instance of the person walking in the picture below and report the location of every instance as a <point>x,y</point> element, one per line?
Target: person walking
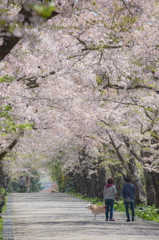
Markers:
<point>109,194</point>
<point>21,183</point>
<point>27,184</point>
<point>128,193</point>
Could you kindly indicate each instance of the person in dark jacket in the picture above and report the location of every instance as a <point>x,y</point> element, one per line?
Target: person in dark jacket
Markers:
<point>21,183</point>
<point>128,193</point>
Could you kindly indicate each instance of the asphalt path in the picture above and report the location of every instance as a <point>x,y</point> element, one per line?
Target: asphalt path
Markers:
<point>58,216</point>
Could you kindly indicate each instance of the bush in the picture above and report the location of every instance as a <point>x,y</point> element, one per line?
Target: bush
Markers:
<point>148,212</point>
<point>2,209</point>
<point>119,206</point>
<point>1,228</point>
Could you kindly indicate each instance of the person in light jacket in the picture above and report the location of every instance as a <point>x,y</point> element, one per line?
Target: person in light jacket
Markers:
<point>109,193</point>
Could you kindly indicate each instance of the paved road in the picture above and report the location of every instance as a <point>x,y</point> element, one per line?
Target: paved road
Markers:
<point>58,216</point>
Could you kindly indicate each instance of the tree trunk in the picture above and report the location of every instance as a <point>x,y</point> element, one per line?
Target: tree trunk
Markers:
<point>140,194</point>
<point>131,170</point>
<point>149,188</point>
<point>92,190</point>
<point>155,182</point>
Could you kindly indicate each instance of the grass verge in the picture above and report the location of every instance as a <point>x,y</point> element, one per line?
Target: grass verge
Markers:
<point>149,213</point>
<point>1,228</point>
<point>1,219</point>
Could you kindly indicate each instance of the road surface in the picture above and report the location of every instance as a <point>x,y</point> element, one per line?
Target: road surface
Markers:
<point>59,216</point>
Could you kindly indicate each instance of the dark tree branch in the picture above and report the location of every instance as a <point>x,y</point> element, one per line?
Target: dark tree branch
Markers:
<point>115,86</point>
<point>8,44</point>
<point>122,160</point>
<point>31,82</point>
<point>130,149</point>
<point>103,47</point>
<point>11,146</point>
<point>94,48</point>
<point>9,40</point>
<point>127,7</point>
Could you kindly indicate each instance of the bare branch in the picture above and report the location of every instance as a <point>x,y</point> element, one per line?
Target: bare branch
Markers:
<point>11,146</point>
<point>32,81</point>
<point>115,86</point>
<point>10,40</point>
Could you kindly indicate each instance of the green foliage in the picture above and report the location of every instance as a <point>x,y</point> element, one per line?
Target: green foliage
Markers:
<point>149,109</point>
<point>1,228</point>
<point>35,182</point>
<point>119,206</point>
<point>71,191</point>
<point>127,22</point>
<point>11,127</point>
<point>97,201</point>
<point>26,126</point>
<point>58,175</point>
<point>4,207</point>
<point>3,203</point>
<point>6,78</point>
<point>153,134</point>
<point>137,61</point>
<point>148,213</point>
<point>122,23</point>
<point>4,10</point>
<point>4,112</point>
<point>3,192</point>
<point>145,212</point>
<point>44,11</point>
<point>8,124</point>
<point>2,23</point>
<point>99,80</point>
<point>94,2</point>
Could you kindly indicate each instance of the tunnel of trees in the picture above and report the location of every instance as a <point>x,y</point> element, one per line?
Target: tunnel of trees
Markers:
<point>79,93</point>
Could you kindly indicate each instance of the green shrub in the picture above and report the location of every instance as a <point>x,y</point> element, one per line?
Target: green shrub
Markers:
<point>1,228</point>
<point>4,198</point>
<point>148,212</point>
<point>71,190</point>
<point>6,78</point>
<point>57,175</point>
<point>97,201</point>
<point>119,206</point>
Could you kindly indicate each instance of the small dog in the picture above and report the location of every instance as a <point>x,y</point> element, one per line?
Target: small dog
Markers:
<point>96,209</point>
